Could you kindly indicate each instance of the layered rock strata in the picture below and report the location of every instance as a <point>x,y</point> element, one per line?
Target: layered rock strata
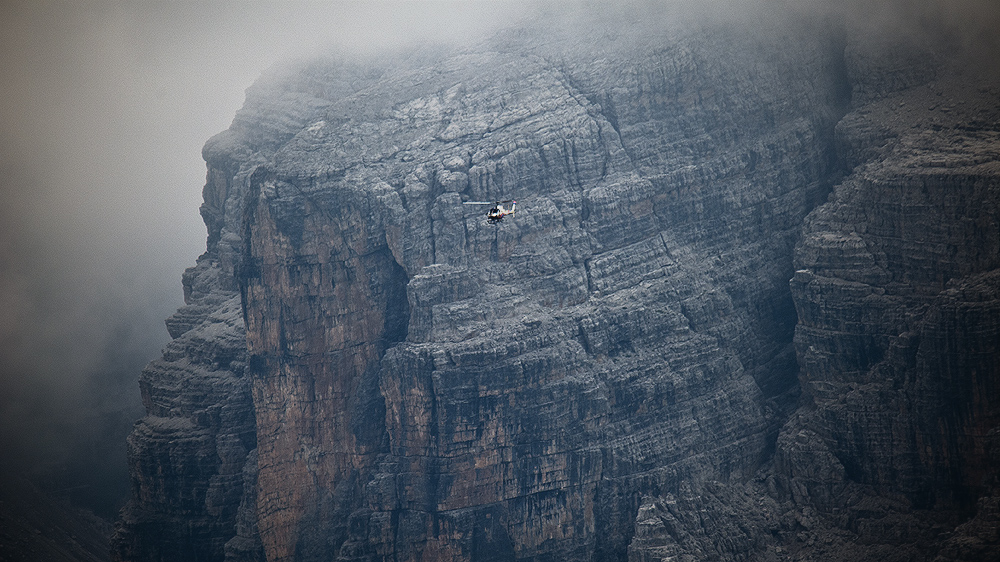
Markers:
<point>897,288</point>
<point>429,386</point>
<point>367,370</point>
<point>187,454</point>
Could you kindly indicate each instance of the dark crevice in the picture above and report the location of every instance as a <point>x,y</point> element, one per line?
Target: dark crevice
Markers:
<point>397,314</point>
<point>248,267</point>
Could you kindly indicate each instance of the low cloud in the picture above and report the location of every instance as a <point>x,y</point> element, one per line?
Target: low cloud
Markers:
<point>106,107</point>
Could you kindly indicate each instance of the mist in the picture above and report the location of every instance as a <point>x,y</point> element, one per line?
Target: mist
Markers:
<point>105,107</point>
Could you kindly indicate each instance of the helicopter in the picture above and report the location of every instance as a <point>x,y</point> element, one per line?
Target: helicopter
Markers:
<point>498,211</point>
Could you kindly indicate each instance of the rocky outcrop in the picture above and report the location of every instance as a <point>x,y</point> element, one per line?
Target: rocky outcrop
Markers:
<point>897,296</point>
<point>367,370</point>
<point>428,386</point>
<point>187,455</point>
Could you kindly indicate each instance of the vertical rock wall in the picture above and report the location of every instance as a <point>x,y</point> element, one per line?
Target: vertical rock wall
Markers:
<point>428,386</point>
<point>896,291</point>
<point>323,299</point>
<point>614,372</point>
<point>193,458</point>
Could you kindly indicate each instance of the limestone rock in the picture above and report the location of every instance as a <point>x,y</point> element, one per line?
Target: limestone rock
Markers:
<point>897,296</point>
<point>187,455</point>
<point>622,370</point>
<point>430,386</point>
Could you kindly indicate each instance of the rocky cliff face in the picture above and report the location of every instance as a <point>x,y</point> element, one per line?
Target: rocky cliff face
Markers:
<point>896,291</point>
<point>367,370</point>
<point>187,455</point>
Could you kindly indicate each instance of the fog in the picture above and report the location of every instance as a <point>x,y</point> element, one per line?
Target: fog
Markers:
<point>104,108</point>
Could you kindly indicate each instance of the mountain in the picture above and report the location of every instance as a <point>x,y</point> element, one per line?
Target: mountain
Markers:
<point>747,308</point>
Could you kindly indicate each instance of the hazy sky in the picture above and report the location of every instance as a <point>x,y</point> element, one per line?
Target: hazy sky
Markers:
<point>104,108</point>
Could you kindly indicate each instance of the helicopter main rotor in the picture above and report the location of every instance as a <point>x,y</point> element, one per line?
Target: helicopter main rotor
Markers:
<point>497,212</point>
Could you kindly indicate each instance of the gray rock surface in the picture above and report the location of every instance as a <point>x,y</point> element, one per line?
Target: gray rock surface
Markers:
<point>899,319</point>
<point>598,345</point>
<point>187,454</point>
<point>622,370</point>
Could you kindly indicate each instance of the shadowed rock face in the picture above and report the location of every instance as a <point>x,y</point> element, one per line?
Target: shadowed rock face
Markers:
<point>899,319</point>
<point>614,372</point>
<point>323,301</point>
<point>187,455</point>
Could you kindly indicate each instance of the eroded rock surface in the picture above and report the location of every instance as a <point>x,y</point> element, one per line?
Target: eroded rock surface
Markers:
<point>187,455</point>
<point>899,319</point>
<point>429,386</point>
<point>367,370</point>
